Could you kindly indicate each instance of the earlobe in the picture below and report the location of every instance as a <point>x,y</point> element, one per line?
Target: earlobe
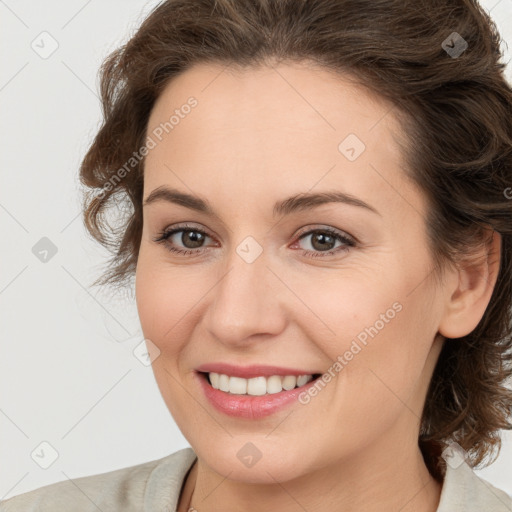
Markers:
<point>477,278</point>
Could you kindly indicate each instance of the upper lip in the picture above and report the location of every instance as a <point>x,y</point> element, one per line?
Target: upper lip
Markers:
<point>248,372</point>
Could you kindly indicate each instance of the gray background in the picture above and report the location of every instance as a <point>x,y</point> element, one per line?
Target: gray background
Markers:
<point>68,374</point>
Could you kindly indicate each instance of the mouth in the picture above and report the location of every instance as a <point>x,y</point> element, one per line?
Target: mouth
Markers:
<point>256,397</point>
<point>257,386</point>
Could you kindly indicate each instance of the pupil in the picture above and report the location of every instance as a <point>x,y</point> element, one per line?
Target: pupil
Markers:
<point>321,237</point>
<point>194,237</point>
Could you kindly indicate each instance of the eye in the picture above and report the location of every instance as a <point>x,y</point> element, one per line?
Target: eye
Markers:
<point>323,242</point>
<point>191,237</point>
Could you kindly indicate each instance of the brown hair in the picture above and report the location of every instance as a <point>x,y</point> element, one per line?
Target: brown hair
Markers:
<point>456,112</point>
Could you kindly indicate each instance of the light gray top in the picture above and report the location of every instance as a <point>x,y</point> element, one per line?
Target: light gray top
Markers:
<point>156,486</point>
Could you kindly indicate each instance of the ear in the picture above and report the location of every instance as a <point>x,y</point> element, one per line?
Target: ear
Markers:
<point>468,300</point>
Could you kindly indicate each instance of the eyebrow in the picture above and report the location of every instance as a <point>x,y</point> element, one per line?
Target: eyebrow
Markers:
<point>298,202</point>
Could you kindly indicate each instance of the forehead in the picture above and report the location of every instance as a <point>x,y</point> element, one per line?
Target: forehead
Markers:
<point>300,96</point>
<point>288,126</point>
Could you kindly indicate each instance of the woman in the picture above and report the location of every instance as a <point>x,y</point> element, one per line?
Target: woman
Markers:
<point>320,230</point>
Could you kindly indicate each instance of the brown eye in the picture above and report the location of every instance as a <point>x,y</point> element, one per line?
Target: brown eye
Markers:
<point>188,240</point>
<point>183,239</point>
<point>191,239</point>
<point>323,242</point>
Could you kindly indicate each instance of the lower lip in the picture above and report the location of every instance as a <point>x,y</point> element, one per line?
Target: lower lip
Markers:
<point>251,407</point>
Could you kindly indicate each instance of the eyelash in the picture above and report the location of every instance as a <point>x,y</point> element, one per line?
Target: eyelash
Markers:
<point>349,242</point>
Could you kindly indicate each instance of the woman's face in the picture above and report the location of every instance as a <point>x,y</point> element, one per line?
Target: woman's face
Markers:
<point>268,286</point>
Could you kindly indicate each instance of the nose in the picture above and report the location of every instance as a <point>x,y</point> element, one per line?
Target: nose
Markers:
<point>246,303</point>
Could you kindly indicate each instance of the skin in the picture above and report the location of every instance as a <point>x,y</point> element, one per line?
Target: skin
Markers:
<point>258,136</point>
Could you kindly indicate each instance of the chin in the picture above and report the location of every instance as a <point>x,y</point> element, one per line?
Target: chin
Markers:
<point>249,462</point>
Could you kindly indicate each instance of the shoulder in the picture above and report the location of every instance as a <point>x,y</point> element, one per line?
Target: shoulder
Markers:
<point>464,490</point>
<point>155,484</point>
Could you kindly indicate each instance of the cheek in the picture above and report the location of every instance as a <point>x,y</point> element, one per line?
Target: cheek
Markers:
<point>167,301</point>
<point>347,310</point>
<point>377,339</point>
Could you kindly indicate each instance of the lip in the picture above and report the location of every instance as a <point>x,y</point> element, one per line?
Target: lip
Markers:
<point>255,370</point>
<point>250,407</point>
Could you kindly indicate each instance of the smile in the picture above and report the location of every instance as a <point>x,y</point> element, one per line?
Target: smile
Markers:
<point>261,397</point>
<point>257,386</point>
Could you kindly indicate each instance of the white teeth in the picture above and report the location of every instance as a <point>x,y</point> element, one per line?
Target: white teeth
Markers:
<point>214,379</point>
<point>237,386</point>
<point>223,382</point>
<point>289,382</point>
<point>302,379</point>
<point>274,384</point>
<point>257,386</point>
